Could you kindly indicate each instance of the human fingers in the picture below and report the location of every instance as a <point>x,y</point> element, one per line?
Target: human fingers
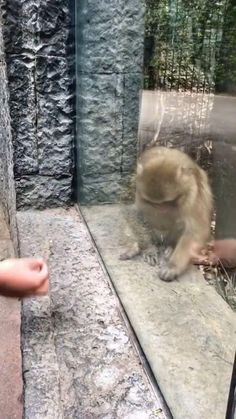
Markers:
<point>42,289</point>
<point>43,273</point>
<point>36,288</point>
<point>37,279</point>
<point>39,266</point>
<point>211,246</point>
<point>35,263</point>
<point>25,292</point>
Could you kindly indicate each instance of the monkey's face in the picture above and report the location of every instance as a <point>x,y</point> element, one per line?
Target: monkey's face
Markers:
<point>163,184</point>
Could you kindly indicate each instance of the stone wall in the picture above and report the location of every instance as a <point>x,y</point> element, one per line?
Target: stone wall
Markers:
<point>39,41</point>
<point>109,51</point>
<point>7,189</point>
<point>40,52</point>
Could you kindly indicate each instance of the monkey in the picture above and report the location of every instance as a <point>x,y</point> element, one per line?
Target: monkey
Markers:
<point>174,197</point>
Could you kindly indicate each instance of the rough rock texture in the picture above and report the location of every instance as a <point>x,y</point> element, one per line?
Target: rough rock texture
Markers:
<point>40,55</point>
<point>36,191</point>
<point>7,189</point>
<point>78,356</point>
<point>109,74</point>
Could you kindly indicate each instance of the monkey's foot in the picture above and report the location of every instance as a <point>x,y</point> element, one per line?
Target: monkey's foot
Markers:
<point>168,273</point>
<point>156,255</point>
<point>126,256</point>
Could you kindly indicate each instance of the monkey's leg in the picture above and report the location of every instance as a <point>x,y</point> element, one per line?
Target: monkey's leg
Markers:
<point>140,236</point>
<point>159,250</point>
<point>179,260</point>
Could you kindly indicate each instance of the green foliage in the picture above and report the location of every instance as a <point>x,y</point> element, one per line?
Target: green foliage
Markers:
<point>226,62</point>
<point>189,44</point>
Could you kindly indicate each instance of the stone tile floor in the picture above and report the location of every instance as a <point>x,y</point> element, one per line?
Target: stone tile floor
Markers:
<point>79,358</point>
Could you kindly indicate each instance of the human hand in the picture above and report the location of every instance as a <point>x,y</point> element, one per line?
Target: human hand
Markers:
<point>23,277</point>
<point>217,252</point>
<point>223,253</point>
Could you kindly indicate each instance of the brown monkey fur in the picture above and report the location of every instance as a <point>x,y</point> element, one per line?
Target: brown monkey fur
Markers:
<point>174,197</point>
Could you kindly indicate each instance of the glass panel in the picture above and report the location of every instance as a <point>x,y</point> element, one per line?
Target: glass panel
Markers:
<point>185,328</point>
<point>188,101</point>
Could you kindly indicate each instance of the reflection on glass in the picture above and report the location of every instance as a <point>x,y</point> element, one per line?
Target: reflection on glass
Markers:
<point>188,99</point>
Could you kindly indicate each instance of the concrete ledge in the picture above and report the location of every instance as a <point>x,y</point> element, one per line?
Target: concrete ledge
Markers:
<point>185,328</point>
<point>10,354</point>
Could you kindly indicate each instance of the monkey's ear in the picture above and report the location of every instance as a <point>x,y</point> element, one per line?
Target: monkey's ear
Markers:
<point>139,169</point>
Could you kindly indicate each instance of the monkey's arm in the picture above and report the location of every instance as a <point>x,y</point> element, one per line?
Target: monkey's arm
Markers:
<point>179,260</point>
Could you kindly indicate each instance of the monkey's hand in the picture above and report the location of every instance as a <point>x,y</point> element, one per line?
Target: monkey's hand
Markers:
<point>180,259</point>
<point>169,272</point>
<point>152,256</point>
